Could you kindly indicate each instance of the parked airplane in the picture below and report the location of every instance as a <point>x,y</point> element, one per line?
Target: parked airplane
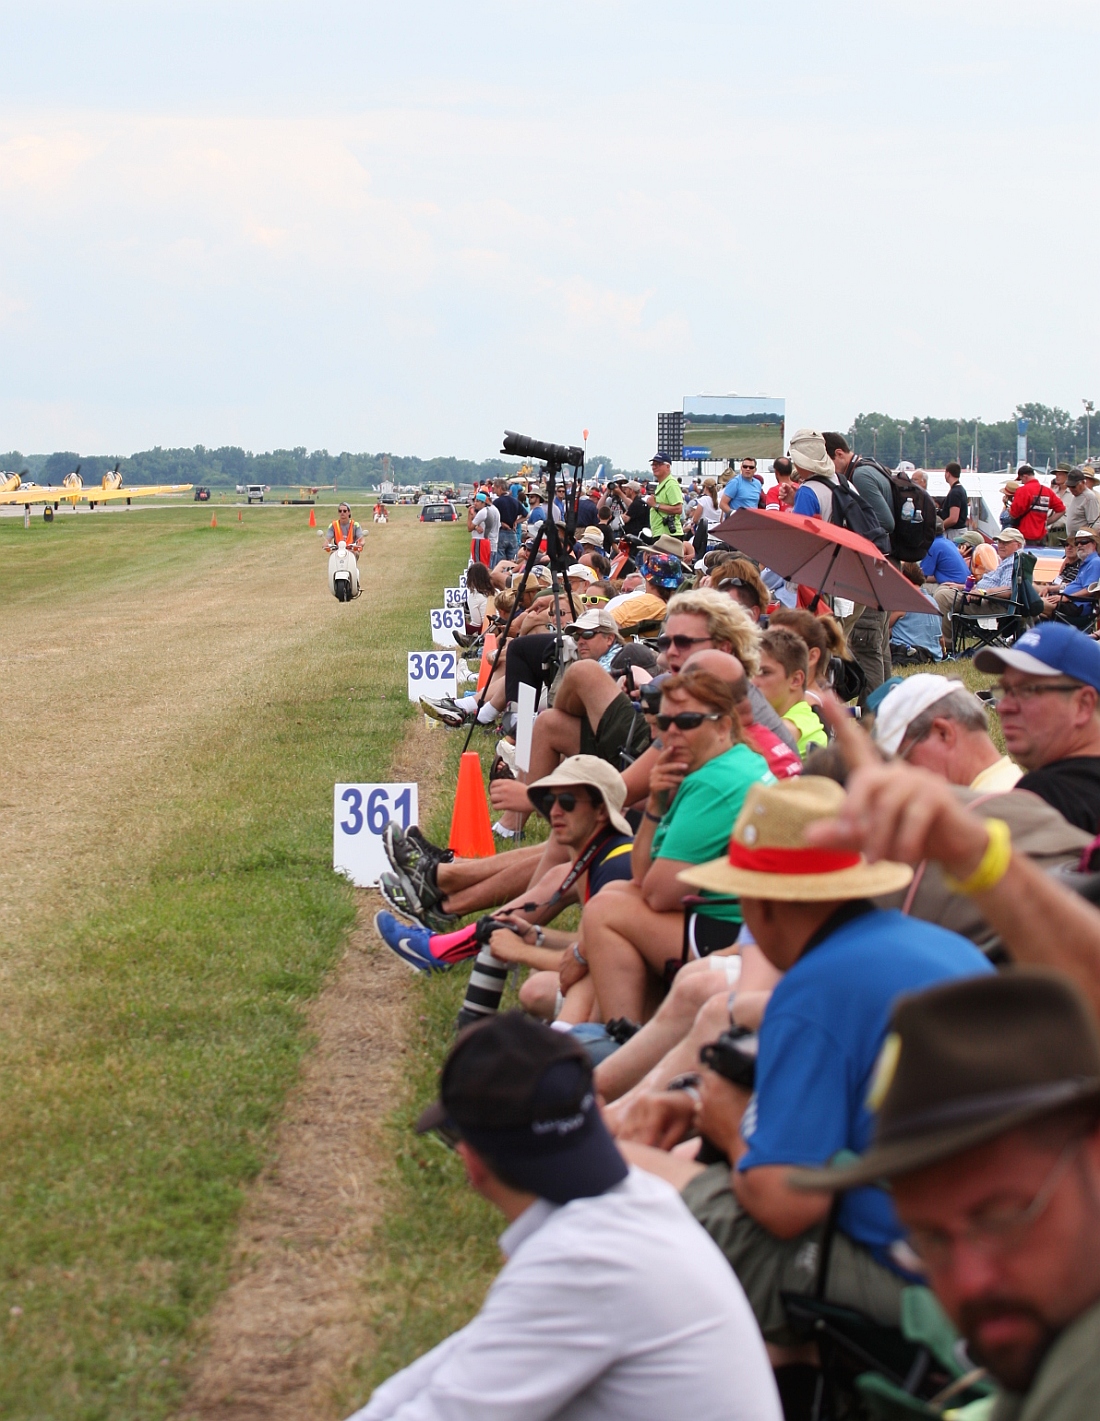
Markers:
<point>71,489</point>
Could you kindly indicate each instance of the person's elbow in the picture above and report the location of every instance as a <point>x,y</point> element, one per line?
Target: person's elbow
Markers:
<point>785,1212</point>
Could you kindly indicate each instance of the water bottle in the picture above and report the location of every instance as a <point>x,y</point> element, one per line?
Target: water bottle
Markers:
<point>907,511</point>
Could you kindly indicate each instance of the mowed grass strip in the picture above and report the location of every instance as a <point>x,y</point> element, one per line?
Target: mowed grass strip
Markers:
<point>158,1035</point>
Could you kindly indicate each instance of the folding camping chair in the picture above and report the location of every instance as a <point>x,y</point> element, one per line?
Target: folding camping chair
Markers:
<point>973,626</point>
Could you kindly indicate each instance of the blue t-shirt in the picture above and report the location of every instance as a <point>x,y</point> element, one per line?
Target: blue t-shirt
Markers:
<point>537,514</point>
<point>806,501</point>
<point>819,1042</point>
<point>1088,575</point>
<point>742,493</point>
<point>944,563</point>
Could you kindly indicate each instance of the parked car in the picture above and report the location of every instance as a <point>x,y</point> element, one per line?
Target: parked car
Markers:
<point>438,513</point>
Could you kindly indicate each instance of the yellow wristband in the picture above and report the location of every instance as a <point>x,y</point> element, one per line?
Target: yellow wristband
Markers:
<point>994,864</point>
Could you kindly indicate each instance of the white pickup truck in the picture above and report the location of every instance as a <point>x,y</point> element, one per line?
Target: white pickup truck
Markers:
<point>254,492</point>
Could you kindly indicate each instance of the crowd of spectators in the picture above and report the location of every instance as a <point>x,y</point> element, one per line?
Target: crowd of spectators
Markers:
<point>806,999</point>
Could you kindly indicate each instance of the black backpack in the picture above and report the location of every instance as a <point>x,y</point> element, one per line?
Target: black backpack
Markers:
<point>915,513</point>
<point>852,511</point>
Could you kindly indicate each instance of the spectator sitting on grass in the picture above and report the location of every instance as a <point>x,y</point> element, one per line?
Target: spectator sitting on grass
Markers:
<point>783,677</point>
<point>612,1302</point>
<point>696,787</point>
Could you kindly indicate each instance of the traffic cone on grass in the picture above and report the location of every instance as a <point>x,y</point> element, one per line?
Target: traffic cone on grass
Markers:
<point>213,520</point>
<point>471,832</point>
<point>486,668</point>
<point>312,519</point>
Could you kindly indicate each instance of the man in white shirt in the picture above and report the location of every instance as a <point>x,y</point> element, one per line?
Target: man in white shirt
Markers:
<point>613,1304</point>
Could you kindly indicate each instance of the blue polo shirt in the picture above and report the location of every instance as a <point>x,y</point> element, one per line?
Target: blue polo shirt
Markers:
<point>1088,575</point>
<point>820,1040</point>
<point>944,563</point>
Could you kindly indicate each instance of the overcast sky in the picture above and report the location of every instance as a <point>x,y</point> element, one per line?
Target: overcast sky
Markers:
<point>405,226</point>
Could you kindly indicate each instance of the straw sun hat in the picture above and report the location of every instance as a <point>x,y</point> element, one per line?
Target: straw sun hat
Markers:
<point>769,857</point>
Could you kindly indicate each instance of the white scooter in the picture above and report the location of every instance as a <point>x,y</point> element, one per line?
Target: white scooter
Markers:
<point>343,573</point>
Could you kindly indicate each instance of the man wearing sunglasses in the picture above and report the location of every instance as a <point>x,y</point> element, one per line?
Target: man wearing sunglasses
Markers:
<point>1049,705</point>
<point>596,633</point>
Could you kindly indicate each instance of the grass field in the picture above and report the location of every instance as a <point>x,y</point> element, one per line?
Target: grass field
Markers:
<point>179,702</point>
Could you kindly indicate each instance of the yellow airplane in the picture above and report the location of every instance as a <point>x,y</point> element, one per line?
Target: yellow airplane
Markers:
<point>71,490</point>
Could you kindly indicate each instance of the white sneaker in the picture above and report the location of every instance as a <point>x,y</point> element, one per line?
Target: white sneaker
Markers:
<point>507,752</point>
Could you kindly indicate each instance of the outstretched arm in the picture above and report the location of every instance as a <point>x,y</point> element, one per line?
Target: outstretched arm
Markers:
<point>905,814</point>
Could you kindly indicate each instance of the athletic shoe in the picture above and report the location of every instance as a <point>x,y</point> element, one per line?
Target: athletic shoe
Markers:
<point>445,711</point>
<point>425,846</point>
<point>410,943</point>
<point>417,883</point>
<point>506,751</point>
<point>394,888</point>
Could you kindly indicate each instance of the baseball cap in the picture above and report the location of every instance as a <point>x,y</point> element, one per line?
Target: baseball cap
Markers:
<point>966,1062</point>
<point>584,574</point>
<point>597,619</point>
<point>660,459</point>
<point>1075,476</point>
<point>1054,649</point>
<point>521,1095</point>
<point>1085,535</point>
<point>900,708</point>
<point>1009,535</point>
<point>972,539</point>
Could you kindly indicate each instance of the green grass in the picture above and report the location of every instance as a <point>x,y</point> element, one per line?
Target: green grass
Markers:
<point>157,1038</point>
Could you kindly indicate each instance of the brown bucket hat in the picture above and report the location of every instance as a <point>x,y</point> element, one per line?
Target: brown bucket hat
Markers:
<point>966,1062</point>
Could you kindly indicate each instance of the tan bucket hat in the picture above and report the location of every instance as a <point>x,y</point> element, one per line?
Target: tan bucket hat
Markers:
<point>809,454</point>
<point>769,857</point>
<point>590,770</point>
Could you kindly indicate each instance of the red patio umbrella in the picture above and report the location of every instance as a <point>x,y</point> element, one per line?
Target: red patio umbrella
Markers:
<point>823,556</point>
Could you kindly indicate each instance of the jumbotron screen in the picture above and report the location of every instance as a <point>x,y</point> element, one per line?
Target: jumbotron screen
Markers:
<point>732,426</point>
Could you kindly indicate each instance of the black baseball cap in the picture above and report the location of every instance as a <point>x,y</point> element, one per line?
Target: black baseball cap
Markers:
<point>521,1094</point>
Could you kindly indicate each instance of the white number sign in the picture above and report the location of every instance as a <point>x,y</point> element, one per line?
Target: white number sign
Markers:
<point>360,813</point>
<point>433,674</point>
<point>454,596</point>
<point>462,582</point>
<point>445,621</point>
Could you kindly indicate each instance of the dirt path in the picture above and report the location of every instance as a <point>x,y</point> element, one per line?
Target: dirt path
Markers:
<point>291,1323</point>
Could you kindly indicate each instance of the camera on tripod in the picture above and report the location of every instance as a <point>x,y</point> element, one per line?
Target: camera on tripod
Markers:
<point>524,447</point>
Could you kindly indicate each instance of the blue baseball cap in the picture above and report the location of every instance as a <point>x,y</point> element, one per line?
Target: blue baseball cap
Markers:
<point>1053,649</point>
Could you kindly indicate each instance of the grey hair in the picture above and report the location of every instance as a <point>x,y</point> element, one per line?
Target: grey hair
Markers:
<point>961,706</point>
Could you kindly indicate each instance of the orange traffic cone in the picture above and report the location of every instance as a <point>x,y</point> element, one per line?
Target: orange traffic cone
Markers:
<point>312,519</point>
<point>240,516</point>
<point>213,520</point>
<point>486,668</point>
<point>471,831</point>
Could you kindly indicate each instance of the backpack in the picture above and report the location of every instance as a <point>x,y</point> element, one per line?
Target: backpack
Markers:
<point>853,512</point>
<point>915,513</point>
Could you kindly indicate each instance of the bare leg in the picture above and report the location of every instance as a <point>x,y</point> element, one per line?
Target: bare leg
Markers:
<point>626,944</point>
<point>711,1020</point>
<point>539,995</point>
<point>465,873</point>
<point>692,987</point>
<point>580,1002</point>
<point>505,877</point>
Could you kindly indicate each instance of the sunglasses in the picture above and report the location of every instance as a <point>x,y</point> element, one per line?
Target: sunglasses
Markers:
<point>566,798</point>
<point>588,600</point>
<point>686,720</point>
<point>588,635</point>
<point>681,643</point>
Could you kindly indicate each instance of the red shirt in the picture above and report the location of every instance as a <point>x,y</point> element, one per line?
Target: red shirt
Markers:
<point>1030,506</point>
<point>774,501</point>
<point>782,760</point>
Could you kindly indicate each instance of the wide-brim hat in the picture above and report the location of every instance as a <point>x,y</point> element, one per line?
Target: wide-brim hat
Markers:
<point>592,537</point>
<point>808,453</point>
<point>769,858</point>
<point>590,770</point>
<point>971,539</point>
<point>666,543</point>
<point>966,1062</point>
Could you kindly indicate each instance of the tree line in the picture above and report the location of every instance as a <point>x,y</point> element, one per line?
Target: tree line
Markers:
<point>1054,436</point>
<point>231,465</point>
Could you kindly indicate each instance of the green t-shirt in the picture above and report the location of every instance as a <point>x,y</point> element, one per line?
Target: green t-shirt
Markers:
<point>700,819</point>
<point>805,722</point>
<point>668,491</point>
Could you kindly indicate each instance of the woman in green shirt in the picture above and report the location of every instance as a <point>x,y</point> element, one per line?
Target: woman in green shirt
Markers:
<point>698,784</point>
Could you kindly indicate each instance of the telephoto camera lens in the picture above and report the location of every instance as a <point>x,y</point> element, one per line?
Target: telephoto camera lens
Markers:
<point>525,447</point>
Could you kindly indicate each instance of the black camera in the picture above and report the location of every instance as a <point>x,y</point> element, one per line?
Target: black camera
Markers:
<point>733,1055</point>
<point>524,447</point>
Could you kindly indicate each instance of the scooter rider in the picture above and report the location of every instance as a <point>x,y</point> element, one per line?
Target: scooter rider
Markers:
<point>345,530</point>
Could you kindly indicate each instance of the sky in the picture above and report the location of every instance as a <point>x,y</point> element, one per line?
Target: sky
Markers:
<point>406,227</point>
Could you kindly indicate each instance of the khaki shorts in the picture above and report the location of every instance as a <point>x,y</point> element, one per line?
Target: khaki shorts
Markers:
<point>615,728</point>
<point>766,1265</point>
